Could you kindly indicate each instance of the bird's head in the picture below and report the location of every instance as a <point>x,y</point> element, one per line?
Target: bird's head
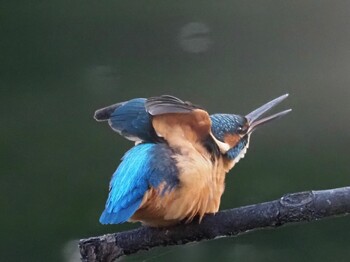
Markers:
<point>232,132</point>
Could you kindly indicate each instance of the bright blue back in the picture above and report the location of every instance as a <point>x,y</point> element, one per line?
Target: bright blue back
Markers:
<point>143,166</point>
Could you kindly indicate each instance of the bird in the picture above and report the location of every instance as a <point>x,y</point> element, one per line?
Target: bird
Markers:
<point>177,168</point>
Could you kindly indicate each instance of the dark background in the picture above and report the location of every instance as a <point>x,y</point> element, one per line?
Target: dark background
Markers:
<point>61,60</point>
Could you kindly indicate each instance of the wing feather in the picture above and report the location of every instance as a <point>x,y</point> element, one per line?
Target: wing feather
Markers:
<point>129,119</point>
<point>176,120</point>
<point>105,113</point>
<point>166,104</point>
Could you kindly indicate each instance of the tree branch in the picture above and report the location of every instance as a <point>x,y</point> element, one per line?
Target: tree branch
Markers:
<point>291,208</point>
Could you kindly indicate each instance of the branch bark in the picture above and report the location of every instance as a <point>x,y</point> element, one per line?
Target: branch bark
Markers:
<point>291,208</point>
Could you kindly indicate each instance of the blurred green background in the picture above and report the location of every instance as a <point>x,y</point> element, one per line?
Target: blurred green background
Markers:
<point>62,60</point>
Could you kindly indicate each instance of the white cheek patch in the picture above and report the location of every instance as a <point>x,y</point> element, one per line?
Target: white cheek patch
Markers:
<point>243,152</point>
<point>222,146</point>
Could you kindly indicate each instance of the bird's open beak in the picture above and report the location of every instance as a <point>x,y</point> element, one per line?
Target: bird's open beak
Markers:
<point>252,117</point>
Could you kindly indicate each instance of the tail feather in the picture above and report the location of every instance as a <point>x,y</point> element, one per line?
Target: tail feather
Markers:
<point>120,216</point>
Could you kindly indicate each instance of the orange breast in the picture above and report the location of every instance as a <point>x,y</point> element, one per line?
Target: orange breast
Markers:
<point>199,192</point>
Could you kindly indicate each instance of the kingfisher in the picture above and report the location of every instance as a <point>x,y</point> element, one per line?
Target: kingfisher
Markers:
<point>176,171</point>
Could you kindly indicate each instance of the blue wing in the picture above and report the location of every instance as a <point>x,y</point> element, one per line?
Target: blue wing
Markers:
<point>144,166</point>
<point>129,119</point>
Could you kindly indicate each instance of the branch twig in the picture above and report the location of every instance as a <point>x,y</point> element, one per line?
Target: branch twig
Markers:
<point>291,208</point>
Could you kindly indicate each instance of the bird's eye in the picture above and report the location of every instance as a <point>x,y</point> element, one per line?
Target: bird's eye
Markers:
<point>242,129</point>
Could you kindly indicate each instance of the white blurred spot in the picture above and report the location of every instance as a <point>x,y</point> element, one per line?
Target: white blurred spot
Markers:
<point>71,251</point>
<point>194,37</point>
<point>101,79</point>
